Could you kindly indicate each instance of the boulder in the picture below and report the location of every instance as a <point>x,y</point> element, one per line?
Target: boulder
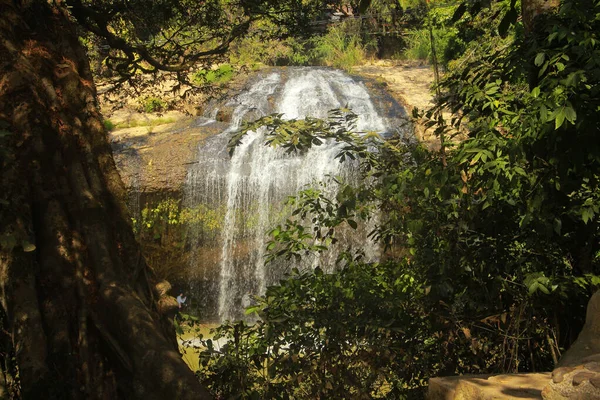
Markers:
<point>577,375</point>
<point>224,114</point>
<point>487,387</point>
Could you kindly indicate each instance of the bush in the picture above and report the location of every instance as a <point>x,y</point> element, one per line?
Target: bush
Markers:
<point>447,45</point>
<point>328,336</point>
<point>153,104</point>
<point>449,42</point>
<point>108,125</point>
<point>252,52</point>
<point>341,47</point>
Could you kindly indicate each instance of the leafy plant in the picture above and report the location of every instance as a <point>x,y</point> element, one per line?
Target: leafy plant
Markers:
<point>342,47</point>
<point>219,76</point>
<point>153,104</point>
<point>108,125</point>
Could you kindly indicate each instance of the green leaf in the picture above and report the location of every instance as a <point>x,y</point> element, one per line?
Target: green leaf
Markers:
<point>557,225</point>
<point>543,113</point>
<point>252,310</point>
<point>539,59</point>
<point>587,214</point>
<point>27,247</point>
<point>352,223</point>
<point>492,90</point>
<point>570,114</point>
<point>560,118</point>
<point>536,91</point>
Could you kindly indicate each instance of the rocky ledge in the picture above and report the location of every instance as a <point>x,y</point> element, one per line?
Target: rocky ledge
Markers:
<point>577,376</point>
<point>155,158</point>
<point>480,387</point>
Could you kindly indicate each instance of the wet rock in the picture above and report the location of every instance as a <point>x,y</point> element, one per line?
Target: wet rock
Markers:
<point>224,114</point>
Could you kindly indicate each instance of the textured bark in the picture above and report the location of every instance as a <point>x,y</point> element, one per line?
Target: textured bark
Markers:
<point>531,9</point>
<point>80,312</point>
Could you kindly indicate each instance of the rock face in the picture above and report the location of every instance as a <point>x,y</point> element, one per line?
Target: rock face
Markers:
<point>578,373</point>
<point>588,342</point>
<point>155,159</point>
<point>484,387</point>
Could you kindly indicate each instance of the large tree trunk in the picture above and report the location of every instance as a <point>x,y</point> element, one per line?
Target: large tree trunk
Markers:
<point>531,9</point>
<point>79,313</point>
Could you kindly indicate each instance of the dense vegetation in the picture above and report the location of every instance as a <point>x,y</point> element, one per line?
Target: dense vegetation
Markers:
<point>491,242</point>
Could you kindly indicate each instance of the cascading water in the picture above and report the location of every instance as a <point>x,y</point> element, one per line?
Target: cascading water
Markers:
<point>250,188</point>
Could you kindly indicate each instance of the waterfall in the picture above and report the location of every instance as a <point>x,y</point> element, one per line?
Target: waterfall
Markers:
<point>250,188</point>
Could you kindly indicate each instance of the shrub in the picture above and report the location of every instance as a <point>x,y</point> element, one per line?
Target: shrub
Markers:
<point>108,125</point>
<point>153,104</point>
<point>252,52</point>
<point>341,47</point>
<point>447,45</point>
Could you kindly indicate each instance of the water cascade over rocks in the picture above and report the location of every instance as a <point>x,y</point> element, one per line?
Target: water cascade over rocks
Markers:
<point>244,195</point>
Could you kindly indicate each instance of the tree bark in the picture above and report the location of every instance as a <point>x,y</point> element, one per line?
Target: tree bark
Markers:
<point>531,9</point>
<point>79,312</point>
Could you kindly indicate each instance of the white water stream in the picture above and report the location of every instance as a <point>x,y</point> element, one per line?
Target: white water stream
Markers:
<point>253,185</point>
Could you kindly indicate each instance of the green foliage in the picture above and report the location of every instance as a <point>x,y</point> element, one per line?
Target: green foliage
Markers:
<point>299,135</point>
<point>179,34</point>
<point>449,42</point>
<point>323,336</point>
<point>156,221</point>
<point>491,250</point>
<point>253,51</point>
<point>342,47</point>
<point>152,104</point>
<point>163,228</point>
<point>219,76</point>
<point>108,125</point>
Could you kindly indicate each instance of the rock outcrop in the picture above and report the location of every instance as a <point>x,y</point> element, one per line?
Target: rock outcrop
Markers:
<point>577,376</point>
<point>487,387</point>
<point>156,159</point>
